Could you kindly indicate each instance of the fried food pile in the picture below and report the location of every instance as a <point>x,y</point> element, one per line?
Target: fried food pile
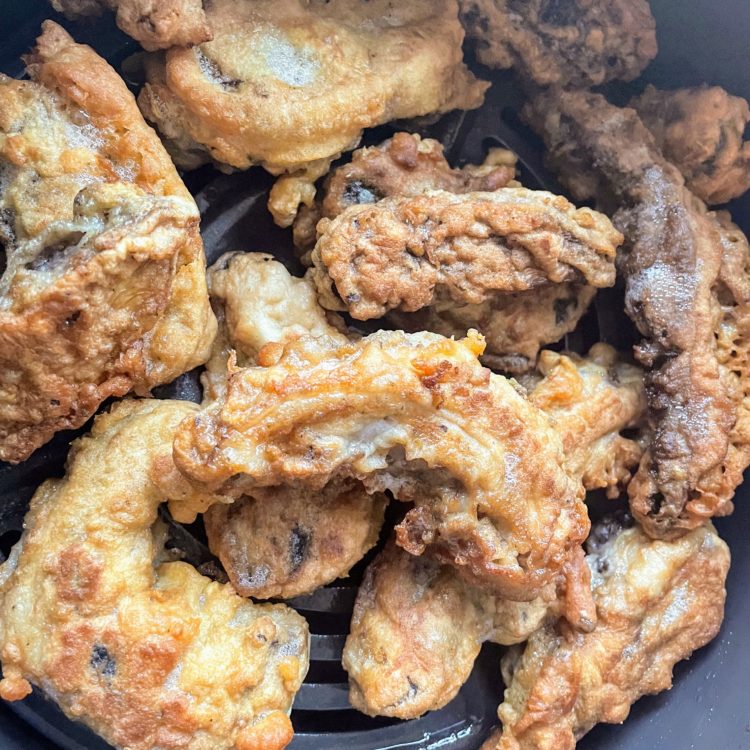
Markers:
<point>426,361</point>
<point>104,288</point>
<point>147,655</point>
<point>290,85</point>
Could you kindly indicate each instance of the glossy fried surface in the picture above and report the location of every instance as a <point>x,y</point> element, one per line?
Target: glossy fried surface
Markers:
<point>156,24</point>
<point>579,42</point>
<point>415,414</point>
<point>281,542</point>
<point>404,253</point>
<point>290,85</point>
<point>417,627</point>
<point>146,656</point>
<point>701,131</point>
<point>656,601</point>
<point>515,326</point>
<point>402,165</point>
<point>104,290</point>
<point>677,295</point>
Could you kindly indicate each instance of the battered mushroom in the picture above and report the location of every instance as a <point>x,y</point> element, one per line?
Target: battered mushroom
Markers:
<point>406,253</point>
<point>417,627</point>
<point>403,165</point>
<point>701,130</point>
<point>656,603</point>
<point>290,85</point>
<point>676,265</point>
<point>146,656</point>
<point>415,414</point>
<point>562,42</point>
<point>284,541</point>
<point>156,24</point>
<point>515,326</point>
<point>104,290</point>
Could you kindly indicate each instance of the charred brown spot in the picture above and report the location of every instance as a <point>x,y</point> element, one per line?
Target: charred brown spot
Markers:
<point>299,545</point>
<point>77,574</point>
<point>102,662</point>
<point>563,309</point>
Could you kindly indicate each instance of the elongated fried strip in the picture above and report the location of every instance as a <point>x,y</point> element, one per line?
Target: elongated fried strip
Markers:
<point>675,291</point>
<point>148,656</point>
<point>415,414</point>
<point>404,253</point>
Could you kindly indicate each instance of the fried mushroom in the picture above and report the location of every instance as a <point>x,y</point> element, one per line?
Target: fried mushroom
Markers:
<point>104,291</point>
<point>147,656</point>
<point>290,85</point>
<point>656,603</point>
<point>412,413</point>
<point>562,42</point>
<point>405,253</point>
<point>701,131</point>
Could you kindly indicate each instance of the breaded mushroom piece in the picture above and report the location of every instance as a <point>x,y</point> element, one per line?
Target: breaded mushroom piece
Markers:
<point>147,656</point>
<point>104,290</point>
<point>656,602</point>
<point>406,253</point>
<point>515,326</point>
<point>579,42</point>
<point>283,541</point>
<point>156,24</point>
<point>701,131</point>
<point>417,627</point>
<point>415,414</point>
<point>290,85</point>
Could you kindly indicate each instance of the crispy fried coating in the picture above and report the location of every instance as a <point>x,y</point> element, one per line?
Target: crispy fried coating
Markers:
<point>156,24</point>
<point>700,130</point>
<point>592,400</point>
<point>417,626</point>
<point>402,165</point>
<point>282,542</point>
<point>146,656</point>
<point>290,85</point>
<point>677,294</point>
<point>579,42</point>
<point>104,290</point>
<point>415,414</point>
<point>656,603</point>
<point>515,326</point>
<point>405,253</point>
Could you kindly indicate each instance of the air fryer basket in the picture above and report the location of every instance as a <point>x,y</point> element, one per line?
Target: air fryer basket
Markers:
<point>708,706</point>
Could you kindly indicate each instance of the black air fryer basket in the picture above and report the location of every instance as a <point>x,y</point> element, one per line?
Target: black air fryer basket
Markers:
<point>709,705</point>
